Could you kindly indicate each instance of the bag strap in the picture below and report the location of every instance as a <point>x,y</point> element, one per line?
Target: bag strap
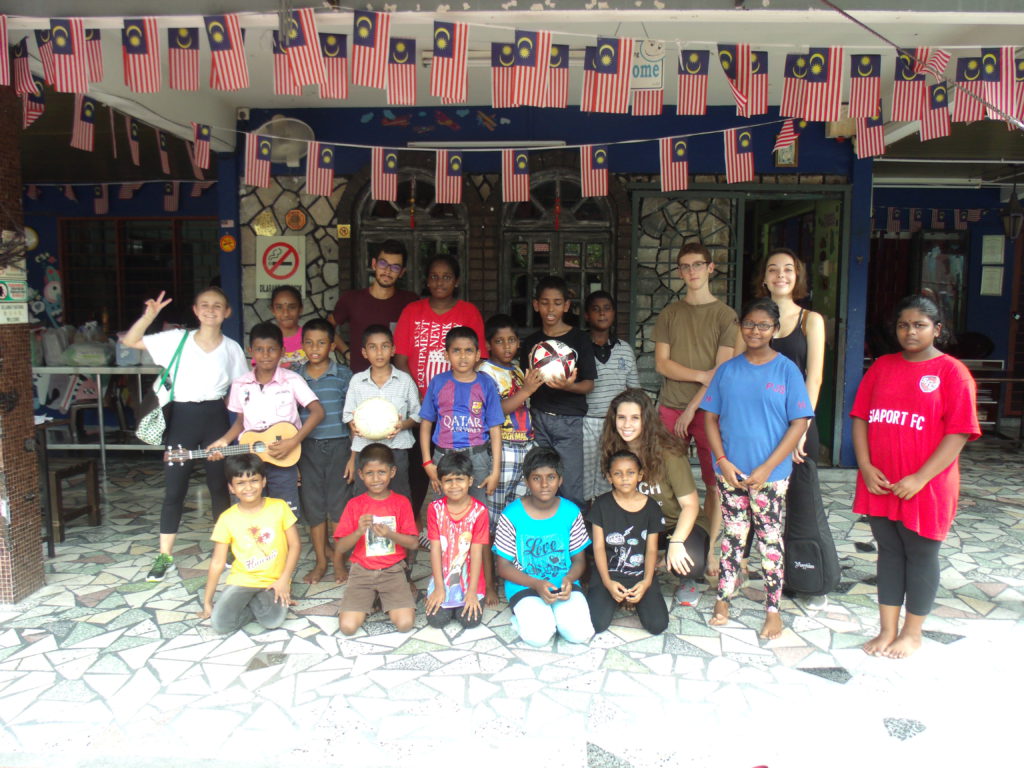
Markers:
<point>175,362</point>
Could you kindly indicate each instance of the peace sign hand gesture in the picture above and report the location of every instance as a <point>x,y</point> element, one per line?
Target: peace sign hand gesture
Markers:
<point>154,306</point>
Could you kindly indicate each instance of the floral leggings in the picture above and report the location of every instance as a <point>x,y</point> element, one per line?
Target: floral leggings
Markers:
<point>766,508</point>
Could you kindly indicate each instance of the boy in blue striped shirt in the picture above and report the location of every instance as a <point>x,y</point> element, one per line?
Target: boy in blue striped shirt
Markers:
<point>326,450</point>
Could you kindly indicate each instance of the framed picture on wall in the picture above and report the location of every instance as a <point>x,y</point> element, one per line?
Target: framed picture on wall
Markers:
<point>787,156</point>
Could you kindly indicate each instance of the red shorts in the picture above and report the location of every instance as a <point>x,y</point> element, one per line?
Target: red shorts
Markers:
<point>669,417</point>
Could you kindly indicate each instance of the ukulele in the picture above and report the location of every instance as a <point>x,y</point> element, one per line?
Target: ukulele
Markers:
<point>248,442</point>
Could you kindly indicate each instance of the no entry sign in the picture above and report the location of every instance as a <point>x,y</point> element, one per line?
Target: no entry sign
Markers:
<point>280,261</point>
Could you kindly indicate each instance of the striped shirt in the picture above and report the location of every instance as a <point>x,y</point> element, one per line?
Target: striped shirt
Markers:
<point>613,376</point>
<point>399,390</point>
<point>331,388</point>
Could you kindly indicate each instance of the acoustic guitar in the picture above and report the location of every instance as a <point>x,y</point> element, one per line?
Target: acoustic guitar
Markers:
<point>248,442</point>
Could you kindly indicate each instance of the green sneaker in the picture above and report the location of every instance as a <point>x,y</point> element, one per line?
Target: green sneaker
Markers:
<point>161,566</point>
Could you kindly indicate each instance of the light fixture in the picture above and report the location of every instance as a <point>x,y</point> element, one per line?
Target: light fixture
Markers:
<point>1012,216</point>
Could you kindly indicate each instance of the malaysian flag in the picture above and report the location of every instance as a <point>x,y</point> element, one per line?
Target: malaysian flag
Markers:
<point>935,121</point>
<point>974,214</point>
<point>183,58</point>
<point>916,219</point>
<point>23,83</point>
<point>968,79</point>
<point>45,54</point>
<point>1020,89</point>
<point>334,50</point>
<point>790,132</point>
<point>735,60</point>
<point>515,176</point>
<point>113,133</point>
<point>302,46</point>
<point>909,93</point>
<point>648,102</point>
<point>675,166</point>
<point>284,83</point>
<point>613,63</point>
<point>594,170</point>
<point>865,84</point>
<point>127,191</point>
<point>693,83</point>
<point>199,187</point>
<point>758,83</point>
<point>532,67</point>
<point>871,135</point>
<point>558,77</point>
<point>5,60</point>
<point>503,77</point>
<point>33,104</point>
<point>141,50</point>
<point>1000,88</point>
<point>83,127</point>
<point>370,33</point>
<point>448,79</point>
<point>384,174</point>
<point>402,71</point>
<point>94,55</point>
<point>69,192</point>
<point>588,96</point>
<point>257,160</point>
<point>70,65</point>
<point>938,219</point>
<point>100,200</point>
<point>320,169</point>
<point>739,156</point>
<point>794,75</point>
<point>932,63</point>
<point>32,191</point>
<point>197,172</point>
<point>448,177</point>
<point>132,128</point>
<point>228,70</point>
<point>172,196</point>
<point>823,86</point>
<point>201,144</point>
<point>960,217</point>
<point>894,221</point>
<point>161,146</point>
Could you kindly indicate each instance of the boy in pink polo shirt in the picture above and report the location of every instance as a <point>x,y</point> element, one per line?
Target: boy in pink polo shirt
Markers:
<point>268,395</point>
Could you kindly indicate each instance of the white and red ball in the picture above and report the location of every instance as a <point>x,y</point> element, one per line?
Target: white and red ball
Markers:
<point>554,359</point>
<point>375,418</point>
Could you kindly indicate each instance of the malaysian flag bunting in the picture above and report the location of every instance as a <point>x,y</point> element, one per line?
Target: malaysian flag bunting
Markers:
<point>675,165</point>
<point>448,176</point>
<point>70,64</point>
<point>693,83</point>
<point>758,83</point>
<point>402,71</point>
<point>83,127</point>
<point>613,63</point>
<point>935,121</point>
<point>32,191</point>
<point>183,58</point>
<point>587,94</point>
<point>909,91</point>
<point>916,219</point>
<point>284,83</point>
<point>100,200</point>
<point>201,144</point>
<point>938,219</point>
<point>997,73</point>
<point>370,33</point>
<point>302,46</point>
<point>974,214</point>
<point>113,133</point>
<point>127,191</point>
<point>69,192</point>
<point>199,187</point>
<point>823,86</point>
<point>320,169</point>
<point>197,172</point>
<point>871,135</point>
<point>5,59</point>
<point>1019,69</point>
<point>558,77</point>
<point>45,54</point>
<point>94,55</point>
<point>968,81</point>
<point>648,102</point>
<point>132,128</point>
<point>448,80</point>
<point>960,217</point>
<point>172,196</point>
<point>384,174</point>
<point>735,61</point>
<point>141,49</point>
<point>929,62</point>
<point>503,75</point>
<point>161,147</point>
<point>228,69</point>
<point>894,221</point>
<point>23,83</point>
<point>793,81</point>
<point>33,104</point>
<point>594,170</point>
<point>257,160</point>
<point>533,64</point>
<point>865,84</point>
<point>515,176</point>
<point>790,132</point>
<point>334,49</point>
<point>739,156</point>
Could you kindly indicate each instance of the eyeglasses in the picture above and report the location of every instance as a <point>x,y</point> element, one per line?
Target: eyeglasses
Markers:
<point>696,266</point>
<point>749,326</point>
<point>395,269</point>
<point>440,278</point>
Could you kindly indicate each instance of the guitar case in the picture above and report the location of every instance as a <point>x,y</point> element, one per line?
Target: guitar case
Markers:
<point>811,561</point>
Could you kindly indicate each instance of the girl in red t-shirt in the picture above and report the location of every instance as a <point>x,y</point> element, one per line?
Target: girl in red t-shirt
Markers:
<point>913,414</point>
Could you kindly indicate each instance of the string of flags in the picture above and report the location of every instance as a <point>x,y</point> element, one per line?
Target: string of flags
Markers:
<point>893,220</point>
<point>100,193</point>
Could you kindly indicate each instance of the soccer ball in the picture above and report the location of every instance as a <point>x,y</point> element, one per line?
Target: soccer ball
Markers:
<point>553,359</point>
<point>375,418</point>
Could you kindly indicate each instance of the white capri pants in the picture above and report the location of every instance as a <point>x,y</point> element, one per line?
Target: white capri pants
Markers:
<point>538,621</point>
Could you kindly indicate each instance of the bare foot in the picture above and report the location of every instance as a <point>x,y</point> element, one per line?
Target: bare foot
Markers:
<point>340,575</point>
<point>902,647</point>
<point>876,646</point>
<point>316,575</point>
<point>492,600</point>
<point>720,616</point>
<point>772,626</point>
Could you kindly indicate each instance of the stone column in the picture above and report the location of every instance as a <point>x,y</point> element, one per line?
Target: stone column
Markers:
<point>21,553</point>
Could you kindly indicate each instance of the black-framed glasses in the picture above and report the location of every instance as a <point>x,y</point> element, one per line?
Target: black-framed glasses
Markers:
<point>695,266</point>
<point>750,325</point>
<point>395,269</point>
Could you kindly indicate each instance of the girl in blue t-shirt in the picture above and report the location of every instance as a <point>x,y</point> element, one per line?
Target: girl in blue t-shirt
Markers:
<point>756,409</point>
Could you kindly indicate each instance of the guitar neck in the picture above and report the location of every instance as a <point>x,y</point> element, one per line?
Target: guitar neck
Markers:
<point>230,450</point>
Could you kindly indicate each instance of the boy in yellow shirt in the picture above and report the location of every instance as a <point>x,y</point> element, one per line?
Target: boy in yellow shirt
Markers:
<point>262,537</point>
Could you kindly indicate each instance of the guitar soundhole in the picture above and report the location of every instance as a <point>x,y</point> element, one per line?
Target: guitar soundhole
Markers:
<point>259,447</point>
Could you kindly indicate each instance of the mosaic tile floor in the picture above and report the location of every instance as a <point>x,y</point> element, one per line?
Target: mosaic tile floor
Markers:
<point>100,668</point>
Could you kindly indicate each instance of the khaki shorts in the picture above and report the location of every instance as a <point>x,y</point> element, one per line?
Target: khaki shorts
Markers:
<point>365,585</point>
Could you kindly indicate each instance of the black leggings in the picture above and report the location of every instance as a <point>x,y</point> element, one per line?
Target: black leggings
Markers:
<point>651,609</point>
<point>193,425</point>
<point>696,546</point>
<point>908,566</point>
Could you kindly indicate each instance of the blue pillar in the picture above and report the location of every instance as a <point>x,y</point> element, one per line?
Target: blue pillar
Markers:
<point>856,298</point>
<point>229,240</point>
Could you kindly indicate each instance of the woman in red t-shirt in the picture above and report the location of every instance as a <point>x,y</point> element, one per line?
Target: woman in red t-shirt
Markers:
<point>913,414</point>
